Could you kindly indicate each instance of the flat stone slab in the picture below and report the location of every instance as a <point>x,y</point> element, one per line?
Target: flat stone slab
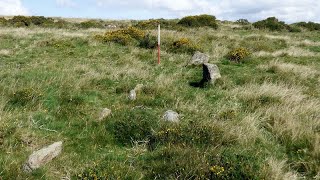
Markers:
<point>42,156</point>
<point>104,113</point>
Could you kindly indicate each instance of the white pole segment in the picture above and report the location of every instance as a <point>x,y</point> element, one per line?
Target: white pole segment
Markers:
<point>159,34</point>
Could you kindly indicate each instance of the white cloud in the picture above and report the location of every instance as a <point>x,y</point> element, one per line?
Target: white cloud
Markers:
<point>12,7</point>
<point>285,10</point>
<point>66,3</point>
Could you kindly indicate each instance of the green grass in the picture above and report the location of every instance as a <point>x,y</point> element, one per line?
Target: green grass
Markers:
<point>259,121</point>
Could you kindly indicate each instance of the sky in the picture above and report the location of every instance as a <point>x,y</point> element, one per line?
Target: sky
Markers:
<point>289,11</point>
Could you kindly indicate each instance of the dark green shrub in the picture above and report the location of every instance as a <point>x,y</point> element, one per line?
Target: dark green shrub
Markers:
<point>199,21</point>
<point>243,22</point>
<point>3,21</point>
<point>271,23</point>
<point>40,20</point>
<point>148,42</point>
<point>311,26</point>
<point>238,55</point>
<point>20,21</point>
<point>91,24</point>
<point>184,45</point>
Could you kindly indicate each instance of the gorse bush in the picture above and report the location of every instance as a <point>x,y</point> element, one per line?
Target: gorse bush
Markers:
<point>20,21</point>
<point>124,37</point>
<point>153,24</point>
<point>238,55</point>
<point>91,24</point>
<point>311,26</point>
<point>184,45</point>
<point>199,21</point>
<point>24,21</point>
<point>271,23</point>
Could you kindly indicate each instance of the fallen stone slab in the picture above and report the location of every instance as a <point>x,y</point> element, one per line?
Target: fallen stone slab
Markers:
<point>104,113</point>
<point>42,156</point>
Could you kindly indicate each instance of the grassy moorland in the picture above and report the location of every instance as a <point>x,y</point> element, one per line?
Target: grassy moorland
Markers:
<point>261,120</point>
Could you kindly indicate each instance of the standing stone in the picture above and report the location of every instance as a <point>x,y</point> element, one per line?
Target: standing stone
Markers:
<point>171,116</point>
<point>199,58</point>
<point>132,95</point>
<point>104,113</point>
<point>42,156</point>
<point>211,72</point>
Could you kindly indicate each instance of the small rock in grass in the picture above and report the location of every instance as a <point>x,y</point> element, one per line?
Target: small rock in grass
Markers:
<point>138,87</point>
<point>132,95</point>
<point>104,113</point>
<point>199,58</point>
<point>42,156</point>
<point>171,116</point>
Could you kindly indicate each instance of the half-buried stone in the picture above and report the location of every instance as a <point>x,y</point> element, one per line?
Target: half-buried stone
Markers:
<point>42,156</point>
<point>171,116</point>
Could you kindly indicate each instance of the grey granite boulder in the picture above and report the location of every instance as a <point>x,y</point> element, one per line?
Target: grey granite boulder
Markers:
<point>199,58</point>
<point>211,73</point>
<point>171,116</point>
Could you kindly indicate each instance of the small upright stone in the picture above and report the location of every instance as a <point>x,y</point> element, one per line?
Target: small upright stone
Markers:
<point>211,72</point>
<point>42,156</point>
<point>199,58</point>
<point>104,113</point>
<point>171,116</point>
<point>132,95</point>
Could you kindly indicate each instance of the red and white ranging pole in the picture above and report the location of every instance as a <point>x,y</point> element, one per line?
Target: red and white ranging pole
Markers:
<point>159,44</point>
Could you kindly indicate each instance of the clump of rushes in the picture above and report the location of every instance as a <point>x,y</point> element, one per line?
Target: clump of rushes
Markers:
<point>184,45</point>
<point>238,55</point>
<point>124,37</point>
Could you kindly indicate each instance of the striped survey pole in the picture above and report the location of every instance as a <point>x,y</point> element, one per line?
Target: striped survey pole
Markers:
<point>159,44</point>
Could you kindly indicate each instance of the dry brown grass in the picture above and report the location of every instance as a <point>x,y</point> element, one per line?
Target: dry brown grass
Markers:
<point>5,52</point>
<point>278,170</point>
<point>291,51</point>
<point>300,70</point>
